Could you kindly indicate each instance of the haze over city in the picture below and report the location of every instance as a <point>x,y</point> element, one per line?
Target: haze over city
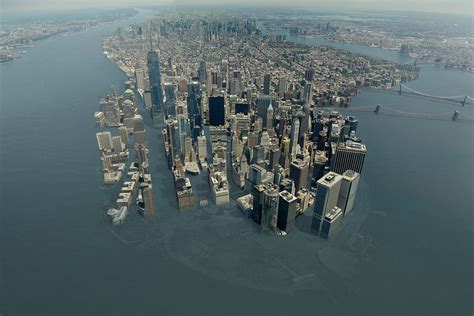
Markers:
<point>440,6</point>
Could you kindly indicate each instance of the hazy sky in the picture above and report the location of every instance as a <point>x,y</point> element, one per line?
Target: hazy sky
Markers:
<point>448,6</point>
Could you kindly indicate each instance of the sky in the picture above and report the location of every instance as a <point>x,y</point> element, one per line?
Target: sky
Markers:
<point>439,6</point>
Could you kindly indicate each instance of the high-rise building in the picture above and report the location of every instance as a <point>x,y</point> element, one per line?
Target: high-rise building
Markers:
<point>257,194</point>
<point>104,140</point>
<point>327,194</point>
<point>147,193</point>
<point>347,193</point>
<point>155,81</point>
<point>295,130</point>
<point>170,100</point>
<point>216,111</point>
<point>194,99</point>
<point>331,221</point>
<point>270,209</point>
<point>308,94</point>
<point>299,173</point>
<point>242,108</point>
<point>269,120</point>
<point>140,79</point>
<point>124,135</point>
<point>202,147</point>
<point>266,84</point>
<point>308,74</point>
<point>117,144</point>
<point>262,103</point>
<point>282,85</point>
<point>139,130</point>
<point>286,211</point>
<point>348,156</point>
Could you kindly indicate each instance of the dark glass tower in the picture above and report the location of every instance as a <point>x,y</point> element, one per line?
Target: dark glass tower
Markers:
<point>155,81</point>
<point>216,111</point>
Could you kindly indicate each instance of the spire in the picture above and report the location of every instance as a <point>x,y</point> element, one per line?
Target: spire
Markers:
<point>270,107</point>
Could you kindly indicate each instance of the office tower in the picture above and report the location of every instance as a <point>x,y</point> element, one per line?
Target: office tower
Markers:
<point>348,156</point>
<point>303,117</point>
<point>234,86</point>
<point>295,130</point>
<point>202,147</point>
<point>252,138</point>
<point>216,111</point>
<point>265,140</point>
<point>202,71</point>
<point>142,157</point>
<point>258,126</point>
<point>147,193</point>
<point>140,79</point>
<point>320,162</point>
<point>352,122</point>
<point>308,75</point>
<point>128,109</point>
<point>269,120</point>
<point>308,94</point>
<point>349,185</point>
<point>242,108</point>
<point>155,81</point>
<point>104,140</point>
<point>262,103</point>
<point>124,135</point>
<point>274,158</point>
<point>331,221</point>
<point>282,85</point>
<point>266,84</point>
<point>188,152</point>
<point>299,173</point>
<point>257,194</point>
<point>270,209</point>
<point>139,130</point>
<point>194,99</point>
<point>286,211</point>
<point>327,194</point>
<point>117,144</point>
<point>258,155</point>
<point>170,99</point>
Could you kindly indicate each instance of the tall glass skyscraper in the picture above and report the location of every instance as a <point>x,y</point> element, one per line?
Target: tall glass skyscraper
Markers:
<point>155,81</point>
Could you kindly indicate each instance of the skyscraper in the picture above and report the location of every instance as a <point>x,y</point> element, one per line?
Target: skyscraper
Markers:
<point>147,193</point>
<point>270,209</point>
<point>348,156</point>
<point>194,99</point>
<point>327,193</point>
<point>216,111</point>
<point>266,84</point>
<point>295,130</point>
<point>170,103</point>
<point>349,185</point>
<point>331,221</point>
<point>308,94</point>
<point>154,76</point>
<point>269,120</point>
<point>299,173</point>
<point>104,140</point>
<point>286,211</point>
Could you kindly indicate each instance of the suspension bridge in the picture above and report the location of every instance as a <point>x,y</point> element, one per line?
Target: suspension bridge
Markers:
<point>378,109</point>
<point>459,99</point>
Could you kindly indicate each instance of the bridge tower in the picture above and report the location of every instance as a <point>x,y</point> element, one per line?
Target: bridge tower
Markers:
<point>455,115</point>
<point>377,109</point>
